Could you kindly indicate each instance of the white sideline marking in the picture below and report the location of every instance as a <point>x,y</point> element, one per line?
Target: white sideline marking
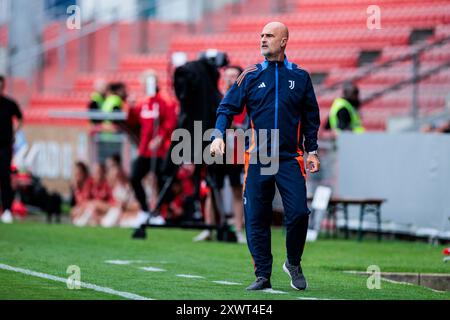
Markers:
<point>312,298</point>
<point>86,285</point>
<point>127,262</point>
<point>393,281</point>
<point>274,291</point>
<point>152,269</point>
<point>410,284</point>
<point>120,262</point>
<point>228,283</point>
<point>190,276</point>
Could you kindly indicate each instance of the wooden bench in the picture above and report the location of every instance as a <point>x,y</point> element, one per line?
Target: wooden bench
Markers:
<point>367,206</point>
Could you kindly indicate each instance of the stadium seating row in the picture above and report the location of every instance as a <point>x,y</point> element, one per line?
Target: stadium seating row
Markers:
<point>327,36</point>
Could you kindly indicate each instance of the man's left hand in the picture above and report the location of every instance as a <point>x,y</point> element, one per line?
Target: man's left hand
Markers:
<point>313,163</point>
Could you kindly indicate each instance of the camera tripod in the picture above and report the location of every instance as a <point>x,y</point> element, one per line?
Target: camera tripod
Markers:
<point>170,171</point>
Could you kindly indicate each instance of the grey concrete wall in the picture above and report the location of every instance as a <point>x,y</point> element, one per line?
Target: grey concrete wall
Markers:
<point>410,170</point>
<point>25,27</point>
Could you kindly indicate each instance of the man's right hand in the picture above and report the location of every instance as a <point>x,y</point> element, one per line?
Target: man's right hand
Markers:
<point>217,147</point>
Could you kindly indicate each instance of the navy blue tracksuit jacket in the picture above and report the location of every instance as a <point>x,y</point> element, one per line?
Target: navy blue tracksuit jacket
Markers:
<point>277,95</point>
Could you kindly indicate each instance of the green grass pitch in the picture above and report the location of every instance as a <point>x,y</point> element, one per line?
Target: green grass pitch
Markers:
<point>50,249</point>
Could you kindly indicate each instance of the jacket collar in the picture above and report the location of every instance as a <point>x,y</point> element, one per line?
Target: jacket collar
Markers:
<point>286,63</point>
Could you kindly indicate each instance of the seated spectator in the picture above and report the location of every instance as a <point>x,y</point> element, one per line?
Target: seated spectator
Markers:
<point>32,192</point>
<point>444,128</point>
<point>114,160</point>
<point>427,128</point>
<point>440,127</point>
<point>179,202</point>
<point>124,207</point>
<point>81,191</point>
<point>100,198</point>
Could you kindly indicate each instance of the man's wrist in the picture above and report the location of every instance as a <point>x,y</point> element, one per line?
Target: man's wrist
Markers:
<point>217,138</point>
<point>313,152</point>
<point>217,134</point>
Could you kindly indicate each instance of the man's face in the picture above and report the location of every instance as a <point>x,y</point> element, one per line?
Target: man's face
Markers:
<point>122,92</point>
<point>353,98</point>
<point>272,41</point>
<point>230,76</point>
<point>355,95</point>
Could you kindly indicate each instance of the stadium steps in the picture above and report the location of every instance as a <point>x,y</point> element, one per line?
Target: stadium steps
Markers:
<point>326,37</point>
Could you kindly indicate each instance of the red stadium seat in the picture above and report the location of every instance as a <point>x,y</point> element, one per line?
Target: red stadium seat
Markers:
<point>326,36</point>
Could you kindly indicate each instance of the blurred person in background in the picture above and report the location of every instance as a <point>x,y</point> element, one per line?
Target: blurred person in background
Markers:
<point>426,128</point>
<point>98,97</point>
<point>101,197</point>
<point>157,119</point>
<point>116,97</point>
<point>441,127</point>
<point>344,112</point>
<point>444,127</point>
<point>114,160</point>
<point>124,207</point>
<point>81,190</point>
<point>30,191</point>
<point>115,101</point>
<point>8,111</point>
<point>179,204</point>
<point>233,171</point>
<point>108,132</point>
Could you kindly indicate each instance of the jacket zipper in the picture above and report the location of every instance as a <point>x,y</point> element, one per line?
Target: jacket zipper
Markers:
<point>276,101</point>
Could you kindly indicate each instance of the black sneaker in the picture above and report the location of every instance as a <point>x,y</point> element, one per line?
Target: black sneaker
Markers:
<point>298,281</point>
<point>260,283</point>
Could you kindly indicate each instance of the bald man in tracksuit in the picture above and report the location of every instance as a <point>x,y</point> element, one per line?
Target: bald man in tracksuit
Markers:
<point>277,95</point>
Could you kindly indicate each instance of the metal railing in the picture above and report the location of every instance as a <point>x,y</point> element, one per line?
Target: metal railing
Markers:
<point>414,79</point>
<point>374,67</point>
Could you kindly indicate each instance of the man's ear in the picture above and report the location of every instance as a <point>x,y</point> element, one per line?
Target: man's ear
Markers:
<point>283,42</point>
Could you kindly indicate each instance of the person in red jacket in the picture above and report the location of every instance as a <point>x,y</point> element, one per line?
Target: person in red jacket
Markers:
<point>157,119</point>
